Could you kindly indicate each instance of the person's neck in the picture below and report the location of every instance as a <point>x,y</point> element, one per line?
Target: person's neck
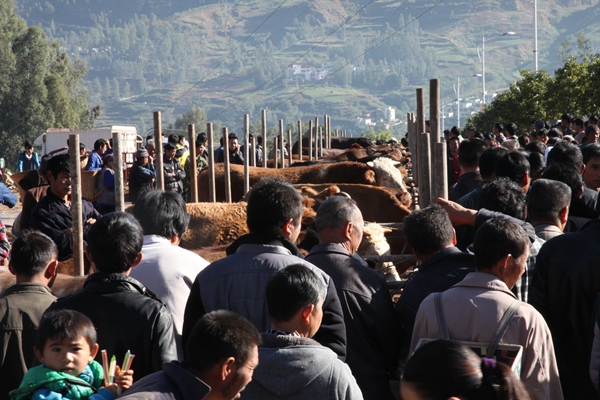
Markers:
<point>289,327</point>
<point>32,279</point>
<point>66,198</point>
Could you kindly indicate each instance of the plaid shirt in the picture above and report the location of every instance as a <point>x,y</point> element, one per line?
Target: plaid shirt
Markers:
<point>521,289</point>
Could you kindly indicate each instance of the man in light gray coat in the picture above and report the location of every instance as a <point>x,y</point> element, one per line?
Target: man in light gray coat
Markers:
<point>292,365</point>
<point>238,282</point>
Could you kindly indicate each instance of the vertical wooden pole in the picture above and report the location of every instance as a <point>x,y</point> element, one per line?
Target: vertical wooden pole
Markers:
<point>264,136</point>
<point>253,141</point>
<point>118,157</point>
<point>158,158</point>
<point>413,146</point>
<point>325,130</point>
<point>76,203</point>
<point>321,141</point>
<point>290,146</point>
<point>310,142</point>
<point>434,133</point>
<point>247,153</point>
<point>227,166</point>
<point>328,132</point>
<point>317,139</point>
<point>281,134</point>
<point>212,192</point>
<point>441,170</point>
<point>193,166</point>
<point>275,152</point>
<point>424,170</point>
<point>299,140</point>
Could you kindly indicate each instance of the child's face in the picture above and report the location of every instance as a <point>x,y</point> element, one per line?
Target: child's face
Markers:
<point>68,356</point>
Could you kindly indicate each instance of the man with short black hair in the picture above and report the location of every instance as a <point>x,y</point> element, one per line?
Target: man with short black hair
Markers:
<point>235,153</point>
<point>295,296</point>
<point>34,263</point>
<point>372,325</point>
<point>590,136</point>
<point>166,269</point>
<point>430,235</point>
<point>220,359</point>
<point>469,152</point>
<point>548,207</point>
<point>174,173</point>
<point>514,166</point>
<point>52,215</point>
<point>511,131</point>
<point>126,315</point>
<point>497,131</point>
<point>591,159</point>
<point>238,282</point>
<point>473,308</point>
<point>578,129</point>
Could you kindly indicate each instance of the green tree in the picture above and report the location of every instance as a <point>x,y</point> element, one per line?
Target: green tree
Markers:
<point>196,115</point>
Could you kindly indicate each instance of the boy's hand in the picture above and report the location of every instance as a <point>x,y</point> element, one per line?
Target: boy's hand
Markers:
<point>113,389</point>
<point>124,379</point>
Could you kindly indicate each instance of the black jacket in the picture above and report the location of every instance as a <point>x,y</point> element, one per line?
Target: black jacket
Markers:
<point>564,286</point>
<point>127,316</point>
<point>52,217</point>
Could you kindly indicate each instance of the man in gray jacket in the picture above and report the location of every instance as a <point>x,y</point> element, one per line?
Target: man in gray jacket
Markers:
<point>238,282</point>
<point>292,365</point>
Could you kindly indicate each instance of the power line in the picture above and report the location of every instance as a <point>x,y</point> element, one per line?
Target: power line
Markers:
<point>228,55</point>
<point>298,59</point>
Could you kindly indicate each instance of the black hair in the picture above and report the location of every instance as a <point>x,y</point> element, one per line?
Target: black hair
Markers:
<point>499,126</point>
<point>590,151</point>
<point>272,202</point>
<point>219,335</point>
<point>591,129</point>
<point>428,230</point>
<point>336,212</point>
<point>496,239</point>
<point>505,196</point>
<point>513,165</point>
<point>537,164</point>
<point>65,324</point>
<point>291,289</point>
<point>170,146</point>
<point>546,199</point>
<point>59,163</point>
<point>442,369</point>
<point>115,241</point>
<point>565,152</point>
<point>180,138</point>
<point>537,147</point>
<point>173,138</point>
<point>592,119</point>
<point>82,146</point>
<point>480,136</point>
<point>555,133</point>
<point>578,121</point>
<point>202,138</point>
<point>488,159</point>
<point>162,213</point>
<point>521,139</point>
<point>99,143</point>
<point>567,174</point>
<point>28,145</point>
<point>455,131</point>
<point>511,129</point>
<point>566,117</point>
<point>232,135</point>
<point>470,151</point>
<point>31,253</point>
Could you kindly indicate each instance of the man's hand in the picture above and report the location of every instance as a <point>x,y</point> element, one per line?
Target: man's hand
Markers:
<point>91,221</point>
<point>457,213</point>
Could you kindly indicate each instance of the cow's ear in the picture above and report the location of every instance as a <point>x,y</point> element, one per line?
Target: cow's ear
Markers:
<point>370,176</point>
<point>371,164</point>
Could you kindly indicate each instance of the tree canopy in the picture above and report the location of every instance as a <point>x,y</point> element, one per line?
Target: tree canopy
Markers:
<point>40,87</point>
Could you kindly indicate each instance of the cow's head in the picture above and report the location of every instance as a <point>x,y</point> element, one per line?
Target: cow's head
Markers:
<point>387,174</point>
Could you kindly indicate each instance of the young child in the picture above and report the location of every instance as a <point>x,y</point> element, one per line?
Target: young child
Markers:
<point>66,345</point>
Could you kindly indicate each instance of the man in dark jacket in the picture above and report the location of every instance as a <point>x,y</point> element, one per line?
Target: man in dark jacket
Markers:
<point>141,175</point>
<point>33,262</point>
<point>52,215</point>
<point>174,173</point>
<point>238,282</point>
<point>126,314</point>
<point>372,324</point>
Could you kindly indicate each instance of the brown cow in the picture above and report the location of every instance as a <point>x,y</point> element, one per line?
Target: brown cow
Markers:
<point>214,224</point>
<point>382,173</point>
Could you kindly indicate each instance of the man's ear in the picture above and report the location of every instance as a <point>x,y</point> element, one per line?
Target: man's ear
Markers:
<point>288,228</point>
<point>454,237</point>
<point>307,312</point>
<point>348,230</point>
<point>52,269</point>
<point>564,215</point>
<point>526,180</point>
<point>227,367</point>
<point>582,169</point>
<point>137,260</point>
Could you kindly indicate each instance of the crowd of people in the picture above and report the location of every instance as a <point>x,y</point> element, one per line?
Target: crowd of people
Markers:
<point>503,302</point>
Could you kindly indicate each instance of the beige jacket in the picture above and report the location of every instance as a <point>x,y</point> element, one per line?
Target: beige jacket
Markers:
<point>474,307</point>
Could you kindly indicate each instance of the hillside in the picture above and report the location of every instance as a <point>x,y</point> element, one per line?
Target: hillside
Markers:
<point>169,55</point>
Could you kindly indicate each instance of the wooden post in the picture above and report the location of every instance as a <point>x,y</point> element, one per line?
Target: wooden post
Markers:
<point>275,152</point>
<point>310,141</point>
<point>158,160</point>
<point>424,170</point>
<point>299,141</point>
<point>264,136</point>
<point>325,130</point>
<point>290,146</point>
<point>227,167</point>
<point>193,166</point>
<point>413,147</point>
<point>441,170</point>
<point>253,141</point>
<point>118,157</point>
<point>76,203</point>
<point>281,134</point>
<point>247,153</point>
<point>434,131</point>
<point>317,139</point>
<point>328,132</point>
<point>212,192</point>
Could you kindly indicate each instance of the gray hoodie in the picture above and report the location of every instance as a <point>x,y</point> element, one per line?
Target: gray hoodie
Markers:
<point>299,368</point>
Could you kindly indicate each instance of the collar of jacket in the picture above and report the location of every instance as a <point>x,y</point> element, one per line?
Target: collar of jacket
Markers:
<point>262,238</point>
<point>114,280</point>
<point>26,287</point>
